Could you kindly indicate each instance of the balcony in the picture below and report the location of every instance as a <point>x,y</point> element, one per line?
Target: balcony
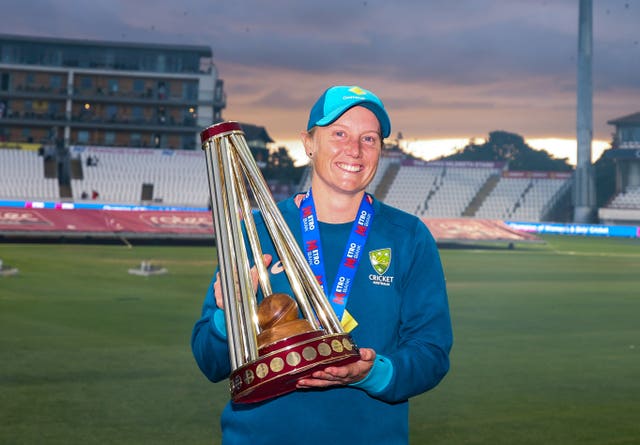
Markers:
<point>34,119</point>
<point>35,93</point>
<point>170,125</point>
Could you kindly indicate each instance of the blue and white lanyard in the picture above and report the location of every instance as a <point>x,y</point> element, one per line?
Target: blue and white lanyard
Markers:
<point>353,251</point>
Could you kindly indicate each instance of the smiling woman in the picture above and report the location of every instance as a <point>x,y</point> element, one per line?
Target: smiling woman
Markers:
<point>345,158</point>
<point>380,270</point>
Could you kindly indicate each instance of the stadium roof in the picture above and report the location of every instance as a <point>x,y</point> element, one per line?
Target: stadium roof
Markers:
<point>256,133</point>
<point>53,41</point>
<point>631,119</point>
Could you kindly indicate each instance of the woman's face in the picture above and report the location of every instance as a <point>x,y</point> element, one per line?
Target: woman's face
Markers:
<point>345,153</point>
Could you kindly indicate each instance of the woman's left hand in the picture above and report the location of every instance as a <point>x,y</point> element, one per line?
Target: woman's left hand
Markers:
<point>341,375</point>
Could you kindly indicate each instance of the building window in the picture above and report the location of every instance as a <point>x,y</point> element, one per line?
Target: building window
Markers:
<point>55,82</point>
<point>83,137</point>
<point>86,82</point>
<point>54,110</point>
<point>113,86</point>
<point>135,140</point>
<point>190,91</point>
<point>112,112</point>
<point>163,90</point>
<point>4,82</point>
<point>138,86</point>
<point>137,114</point>
<point>109,138</point>
<point>630,134</point>
<point>188,142</point>
<point>189,116</point>
<point>162,115</point>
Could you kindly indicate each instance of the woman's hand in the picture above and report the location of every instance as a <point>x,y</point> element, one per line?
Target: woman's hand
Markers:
<point>217,288</point>
<point>341,375</point>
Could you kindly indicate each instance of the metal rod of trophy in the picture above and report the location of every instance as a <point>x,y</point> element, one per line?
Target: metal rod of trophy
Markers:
<point>222,242</point>
<point>249,305</point>
<point>297,263</point>
<point>246,302</point>
<point>244,347</point>
<point>252,232</point>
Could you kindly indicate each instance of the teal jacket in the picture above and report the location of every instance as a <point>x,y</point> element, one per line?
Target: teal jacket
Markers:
<point>402,313</point>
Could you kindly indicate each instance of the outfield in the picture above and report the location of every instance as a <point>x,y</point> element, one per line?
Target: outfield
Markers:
<point>547,347</point>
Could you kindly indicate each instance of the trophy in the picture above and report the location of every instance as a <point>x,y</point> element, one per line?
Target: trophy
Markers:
<point>283,338</point>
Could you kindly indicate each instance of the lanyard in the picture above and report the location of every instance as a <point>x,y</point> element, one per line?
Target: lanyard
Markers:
<point>352,253</point>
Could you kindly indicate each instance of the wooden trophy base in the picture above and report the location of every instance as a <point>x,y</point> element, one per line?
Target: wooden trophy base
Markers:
<point>282,363</point>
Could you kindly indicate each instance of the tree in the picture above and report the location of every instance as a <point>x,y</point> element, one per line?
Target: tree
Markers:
<point>280,167</point>
<point>511,148</point>
<point>605,178</point>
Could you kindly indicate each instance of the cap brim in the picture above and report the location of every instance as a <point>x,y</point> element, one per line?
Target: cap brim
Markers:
<point>380,113</point>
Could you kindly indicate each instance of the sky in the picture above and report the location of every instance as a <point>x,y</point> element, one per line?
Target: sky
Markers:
<point>447,71</point>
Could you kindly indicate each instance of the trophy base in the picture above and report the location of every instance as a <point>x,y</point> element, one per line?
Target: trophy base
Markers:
<point>283,363</point>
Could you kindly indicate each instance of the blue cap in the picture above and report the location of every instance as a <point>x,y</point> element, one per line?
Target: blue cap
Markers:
<point>338,99</point>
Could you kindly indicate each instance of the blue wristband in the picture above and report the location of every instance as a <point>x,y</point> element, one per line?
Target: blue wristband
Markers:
<point>219,322</point>
<point>379,376</point>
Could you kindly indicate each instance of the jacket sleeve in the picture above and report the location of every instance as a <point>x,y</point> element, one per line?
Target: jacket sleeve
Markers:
<point>425,336</point>
<point>209,340</point>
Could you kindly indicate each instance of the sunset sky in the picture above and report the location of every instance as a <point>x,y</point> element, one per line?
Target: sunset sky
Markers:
<point>451,70</point>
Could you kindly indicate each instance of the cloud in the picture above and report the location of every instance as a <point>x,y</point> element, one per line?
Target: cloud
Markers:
<point>447,69</point>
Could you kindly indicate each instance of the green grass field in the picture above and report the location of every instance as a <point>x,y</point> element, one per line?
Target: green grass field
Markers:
<point>547,346</point>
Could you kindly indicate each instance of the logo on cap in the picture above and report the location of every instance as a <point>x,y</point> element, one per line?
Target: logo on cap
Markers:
<point>357,90</point>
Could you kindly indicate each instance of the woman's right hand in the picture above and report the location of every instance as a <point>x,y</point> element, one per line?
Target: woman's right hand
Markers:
<point>217,288</point>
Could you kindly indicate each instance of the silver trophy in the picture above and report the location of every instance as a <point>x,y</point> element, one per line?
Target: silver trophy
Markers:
<point>283,338</point>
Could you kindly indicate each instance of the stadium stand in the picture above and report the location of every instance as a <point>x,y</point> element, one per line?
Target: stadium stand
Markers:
<point>446,195</point>
<point>458,186</point>
<point>420,180</point>
<point>130,176</point>
<point>527,198</point>
<point>502,200</point>
<point>624,208</point>
<point>439,189</point>
<point>629,199</point>
<point>383,165</point>
<point>22,176</point>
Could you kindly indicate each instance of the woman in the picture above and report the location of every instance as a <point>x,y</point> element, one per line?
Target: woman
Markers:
<point>391,296</point>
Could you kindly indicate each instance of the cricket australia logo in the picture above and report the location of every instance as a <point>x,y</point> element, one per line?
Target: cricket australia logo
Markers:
<point>380,261</point>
